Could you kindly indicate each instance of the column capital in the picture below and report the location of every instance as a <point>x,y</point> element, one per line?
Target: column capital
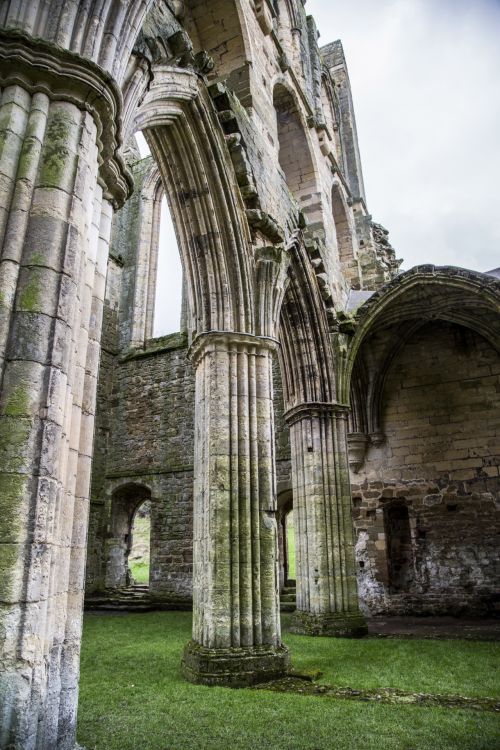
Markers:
<point>226,341</point>
<point>39,66</point>
<point>310,409</point>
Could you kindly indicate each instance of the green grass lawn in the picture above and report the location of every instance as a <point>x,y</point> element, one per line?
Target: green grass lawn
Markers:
<point>133,697</point>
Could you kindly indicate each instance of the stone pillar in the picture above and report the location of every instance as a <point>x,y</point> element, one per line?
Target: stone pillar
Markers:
<point>54,233</point>
<point>327,595</point>
<point>236,626</point>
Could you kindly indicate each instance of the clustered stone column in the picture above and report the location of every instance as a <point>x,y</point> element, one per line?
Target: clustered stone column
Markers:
<point>327,596</point>
<point>55,223</point>
<point>236,627</point>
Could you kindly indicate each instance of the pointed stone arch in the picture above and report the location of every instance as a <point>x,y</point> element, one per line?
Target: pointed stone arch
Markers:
<point>125,500</point>
<point>327,602</point>
<point>179,123</point>
<point>295,153</point>
<point>413,298</point>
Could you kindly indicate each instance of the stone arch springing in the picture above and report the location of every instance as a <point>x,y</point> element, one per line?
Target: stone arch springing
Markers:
<point>305,352</point>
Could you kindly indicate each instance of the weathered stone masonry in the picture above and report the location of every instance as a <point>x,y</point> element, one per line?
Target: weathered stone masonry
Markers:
<point>253,142</point>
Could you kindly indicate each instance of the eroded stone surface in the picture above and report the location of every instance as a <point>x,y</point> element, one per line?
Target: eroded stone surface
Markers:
<point>253,139</point>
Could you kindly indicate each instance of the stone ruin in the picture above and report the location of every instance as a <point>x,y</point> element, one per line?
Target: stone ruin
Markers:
<point>308,373</point>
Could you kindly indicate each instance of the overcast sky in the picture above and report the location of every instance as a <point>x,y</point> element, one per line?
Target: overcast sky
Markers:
<point>425,76</point>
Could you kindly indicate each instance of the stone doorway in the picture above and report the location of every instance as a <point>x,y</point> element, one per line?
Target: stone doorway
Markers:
<point>130,506</point>
<point>139,556</point>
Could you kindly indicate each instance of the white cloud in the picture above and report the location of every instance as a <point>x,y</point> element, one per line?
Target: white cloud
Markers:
<point>425,79</point>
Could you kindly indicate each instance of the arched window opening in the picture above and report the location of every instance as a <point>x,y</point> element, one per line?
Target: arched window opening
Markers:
<point>294,155</point>
<point>168,278</point>
<point>140,545</point>
<point>399,547</point>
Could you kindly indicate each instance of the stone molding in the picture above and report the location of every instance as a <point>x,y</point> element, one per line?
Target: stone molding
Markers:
<point>211,341</point>
<point>40,66</point>
<point>313,409</point>
<point>182,87</point>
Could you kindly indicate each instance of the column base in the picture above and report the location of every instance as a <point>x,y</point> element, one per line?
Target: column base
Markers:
<point>341,625</point>
<point>234,667</point>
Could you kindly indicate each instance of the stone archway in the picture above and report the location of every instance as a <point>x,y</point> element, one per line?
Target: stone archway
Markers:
<point>69,96</point>
<point>125,501</point>
<point>327,599</point>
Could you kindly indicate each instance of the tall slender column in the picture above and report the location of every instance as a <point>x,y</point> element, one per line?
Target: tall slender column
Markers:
<point>327,596</point>
<point>54,234</point>
<point>236,627</point>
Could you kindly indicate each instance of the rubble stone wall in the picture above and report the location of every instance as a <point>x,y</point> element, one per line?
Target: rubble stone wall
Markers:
<point>440,459</point>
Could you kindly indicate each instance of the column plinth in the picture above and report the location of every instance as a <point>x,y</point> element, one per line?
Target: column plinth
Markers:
<point>234,667</point>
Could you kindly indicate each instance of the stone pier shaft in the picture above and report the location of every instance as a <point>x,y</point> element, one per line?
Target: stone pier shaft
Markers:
<point>327,596</point>
<point>55,224</point>
<point>236,628</point>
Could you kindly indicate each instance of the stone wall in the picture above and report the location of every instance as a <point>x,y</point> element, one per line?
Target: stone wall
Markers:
<point>147,407</point>
<point>439,460</point>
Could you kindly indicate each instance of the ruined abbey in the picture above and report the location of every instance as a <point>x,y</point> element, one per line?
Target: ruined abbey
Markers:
<point>309,374</point>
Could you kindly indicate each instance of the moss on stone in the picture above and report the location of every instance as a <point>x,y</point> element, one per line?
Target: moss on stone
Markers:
<point>14,437</point>
<point>28,156</point>
<point>17,403</point>
<point>11,497</point>
<point>30,296</point>
<point>8,559</point>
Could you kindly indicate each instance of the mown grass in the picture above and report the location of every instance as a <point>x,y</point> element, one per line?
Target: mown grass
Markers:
<point>132,695</point>
<point>469,668</point>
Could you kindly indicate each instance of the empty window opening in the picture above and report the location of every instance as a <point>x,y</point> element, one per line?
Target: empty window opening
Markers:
<point>294,155</point>
<point>168,278</point>
<point>399,547</point>
<point>140,545</point>
<point>343,231</point>
<point>142,145</point>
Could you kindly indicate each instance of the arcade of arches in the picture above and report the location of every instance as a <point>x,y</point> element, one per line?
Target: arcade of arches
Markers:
<point>309,379</point>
